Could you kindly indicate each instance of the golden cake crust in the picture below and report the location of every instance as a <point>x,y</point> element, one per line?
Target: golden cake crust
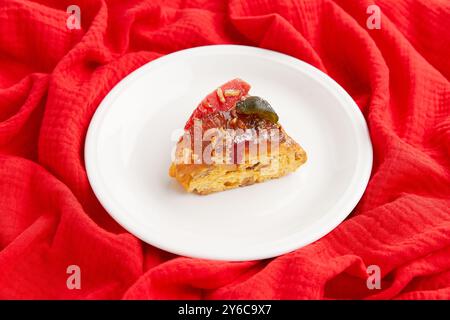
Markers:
<point>208,178</point>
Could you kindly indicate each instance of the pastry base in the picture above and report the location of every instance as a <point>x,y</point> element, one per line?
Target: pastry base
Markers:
<point>205,179</point>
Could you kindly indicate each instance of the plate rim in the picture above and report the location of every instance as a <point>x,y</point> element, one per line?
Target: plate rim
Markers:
<point>358,184</point>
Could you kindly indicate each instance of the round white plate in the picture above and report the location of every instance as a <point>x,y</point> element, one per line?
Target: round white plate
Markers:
<point>132,134</point>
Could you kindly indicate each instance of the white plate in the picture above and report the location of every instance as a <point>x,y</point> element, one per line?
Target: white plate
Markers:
<point>132,134</point>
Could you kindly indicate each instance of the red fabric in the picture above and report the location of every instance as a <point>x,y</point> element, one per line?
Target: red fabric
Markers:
<point>52,80</point>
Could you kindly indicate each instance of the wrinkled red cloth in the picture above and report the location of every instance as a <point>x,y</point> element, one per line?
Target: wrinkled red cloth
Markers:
<point>52,79</point>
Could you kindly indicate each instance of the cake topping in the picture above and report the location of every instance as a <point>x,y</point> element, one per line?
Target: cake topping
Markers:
<point>220,95</point>
<point>222,99</point>
<point>232,93</point>
<point>257,106</point>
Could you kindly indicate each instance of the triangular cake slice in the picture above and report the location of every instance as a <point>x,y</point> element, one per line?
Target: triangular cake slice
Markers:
<point>233,139</point>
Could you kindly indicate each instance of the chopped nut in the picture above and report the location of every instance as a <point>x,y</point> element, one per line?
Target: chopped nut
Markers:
<point>220,95</point>
<point>232,92</point>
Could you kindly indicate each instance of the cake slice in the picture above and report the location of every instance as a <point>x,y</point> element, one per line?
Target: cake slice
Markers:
<point>233,139</point>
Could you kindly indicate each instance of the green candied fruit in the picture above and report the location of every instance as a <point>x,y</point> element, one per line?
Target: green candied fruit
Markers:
<point>258,106</point>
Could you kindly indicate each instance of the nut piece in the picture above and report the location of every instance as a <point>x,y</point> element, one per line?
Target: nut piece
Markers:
<point>232,92</point>
<point>220,95</point>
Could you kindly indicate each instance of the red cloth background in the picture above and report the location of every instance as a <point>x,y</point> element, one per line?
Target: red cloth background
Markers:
<point>52,80</point>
